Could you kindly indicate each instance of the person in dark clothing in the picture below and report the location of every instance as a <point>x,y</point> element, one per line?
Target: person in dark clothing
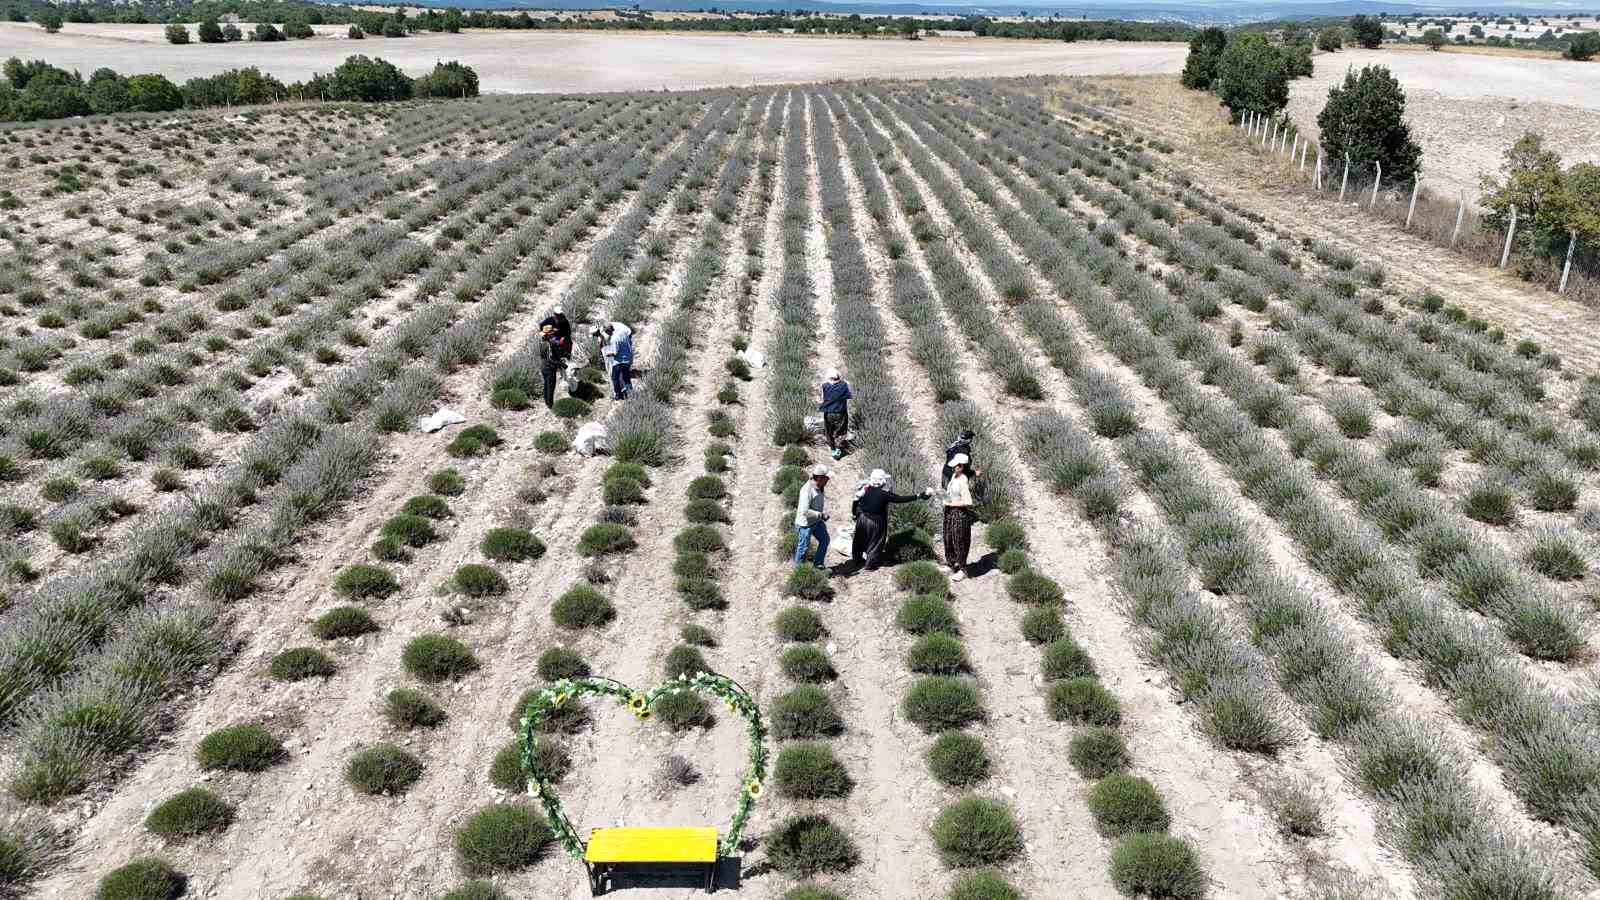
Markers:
<point>549,364</point>
<point>871,513</point>
<point>561,338</point>
<point>835,407</point>
<point>961,446</point>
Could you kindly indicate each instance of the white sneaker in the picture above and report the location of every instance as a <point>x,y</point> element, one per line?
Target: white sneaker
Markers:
<point>959,576</point>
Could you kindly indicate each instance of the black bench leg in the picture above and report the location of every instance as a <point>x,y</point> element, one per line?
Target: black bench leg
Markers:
<point>711,877</point>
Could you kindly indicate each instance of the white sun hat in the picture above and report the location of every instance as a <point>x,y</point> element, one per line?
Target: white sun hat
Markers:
<point>820,471</point>
<point>960,459</point>
<point>833,374</point>
<point>878,477</point>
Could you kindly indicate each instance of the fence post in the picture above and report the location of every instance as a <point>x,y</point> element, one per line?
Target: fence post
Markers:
<point>1373,203</point>
<point>1304,149</point>
<point>1346,180</point>
<point>1283,144</point>
<point>1566,270</point>
<point>1461,210</point>
<point>1319,168</point>
<point>1264,132</point>
<point>1416,185</point>
<point>1296,151</point>
<point>1510,233</point>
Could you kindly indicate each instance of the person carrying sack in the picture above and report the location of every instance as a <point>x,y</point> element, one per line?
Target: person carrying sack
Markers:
<point>549,364</point>
<point>835,409</point>
<point>871,513</point>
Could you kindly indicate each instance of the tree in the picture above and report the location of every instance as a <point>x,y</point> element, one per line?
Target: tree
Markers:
<point>209,31</point>
<point>1330,39</point>
<point>153,93</point>
<point>368,80</point>
<point>108,92</point>
<point>1298,58</point>
<point>394,28</point>
<point>1252,76</point>
<point>266,33</point>
<point>908,28</point>
<point>297,30</point>
<point>1368,32</point>
<point>1365,118</point>
<point>1476,31</point>
<point>1205,52</point>
<point>49,18</point>
<point>1434,38</point>
<point>177,34</point>
<point>451,79</point>
<point>355,33</point>
<point>230,33</point>
<point>1583,46</point>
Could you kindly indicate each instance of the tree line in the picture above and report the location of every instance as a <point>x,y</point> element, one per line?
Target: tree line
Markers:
<point>36,90</point>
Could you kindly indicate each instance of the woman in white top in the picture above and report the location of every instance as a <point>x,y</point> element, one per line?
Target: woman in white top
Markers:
<point>958,515</point>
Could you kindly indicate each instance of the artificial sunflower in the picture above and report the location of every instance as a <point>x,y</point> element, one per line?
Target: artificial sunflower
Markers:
<point>638,703</point>
<point>753,788</point>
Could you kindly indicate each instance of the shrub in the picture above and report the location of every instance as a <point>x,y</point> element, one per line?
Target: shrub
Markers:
<point>472,890</point>
<point>705,512</point>
<point>1492,502</point>
<point>976,831</point>
<point>1065,659</point>
<point>683,710</point>
<point>698,539</point>
<point>508,398</point>
<point>560,662</point>
<point>569,408</point>
<point>476,440</point>
<point>435,658</point>
<point>621,491</point>
<point>1084,701</point>
<point>550,442</point>
<point>941,702</point>
<point>428,506</point>
<point>382,769</point>
<point>501,838</point>
<point>1125,804</point>
<point>926,615</point>
<point>1557,554</point>
<point>413,531</point>
<point>937,653</point>
<point>410,708</point>
<point>238,748</point>
<point>582,607</point>
<point>362,582</point>
<point>811,892</point>
<point>807,663</point>
<point>477,580</point>
<point>707,487</point>
<point>299,663</point>
<point>1097,752</point>
<point>145,878</point>
<point>343,622</point>
<point>1013,561</point>
<point>805,712</point>
<point>1550,491</point>
<point>788,479</point>
<point>1043,625</point>
<point>1030,587</point>
<point>627,471</point>
<point>983,885</point>
<point>1157,865</point>
<point>922,577</point>
<point>803,846</point>
<point>810,771</point>
<point>808,583</point>
<point>188,813</point>
<point>958,759</point>
<point>1006,534</point>
<point>511,545</point>
<point>447,482</point>
<point>683,661</point>
<point>507,774</point>
<point>390,549</point>
<point>799,624</point>
<point>604,538</point>
<point>697,635</point>
<point>701,593</point>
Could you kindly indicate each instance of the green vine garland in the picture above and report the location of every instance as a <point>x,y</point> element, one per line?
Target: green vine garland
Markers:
<point>559,693</point>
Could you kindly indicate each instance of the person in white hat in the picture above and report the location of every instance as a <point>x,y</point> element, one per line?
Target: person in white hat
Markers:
<point>835,408</point>
<point>811,519</point>
<point>561,328</point>
<point>958,515</point>
<point>871,513</point>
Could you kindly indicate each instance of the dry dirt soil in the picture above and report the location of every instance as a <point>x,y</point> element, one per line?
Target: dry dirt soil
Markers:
<point>520,62</point>
<point>1466,109</point>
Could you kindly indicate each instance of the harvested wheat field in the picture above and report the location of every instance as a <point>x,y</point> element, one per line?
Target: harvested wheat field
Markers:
<point>1280,585</point>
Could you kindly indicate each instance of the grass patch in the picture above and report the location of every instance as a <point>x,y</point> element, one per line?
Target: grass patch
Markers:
<point>698,539</point>
<point>413,531</point>
<point>343,622</point>
<point>447,482</point>
<point>1490,501</point>
<point>1084,701</point>
<point>798,623</point>
<point>803,846</point>
<point>1065,659</point>
<point>238,748</point>
<point>511,545</point>
<point>188,813</point>
<point>300,663</point>
<point>363,582</point>
<point>501,838</point>
<point>145,878</point>
<point>476,440</point>
<point>410,708</point>
<point>810,771</point>
<point>582,607</point>
<point>429,506</point>
<point>1126,804</point>
<point>477,890</point>
<point>937,653</point>
<point>941,702</point>
<point>807,663</point>
<point>382,769</point>
<point>1098,752</point>
<point>1029,586</point>
<point>805,712</point>
<point>477,580</point>
<point>958,759</point>
<point>1156,865</point>
<point>551,442</point>
<point>560,662</point>
<point>435,657</point>
<point>605,538</point>
<point>1043,625</point>
<point>507,774</point>
<point>923,578</point>
<point>808,583</point>
<point>926,615</point>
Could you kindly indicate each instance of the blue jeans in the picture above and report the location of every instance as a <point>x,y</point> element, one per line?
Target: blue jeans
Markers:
<point>804,534</point>
<point>621,379</point>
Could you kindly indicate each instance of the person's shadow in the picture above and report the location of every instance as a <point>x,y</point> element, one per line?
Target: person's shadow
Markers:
<point>983,565</point>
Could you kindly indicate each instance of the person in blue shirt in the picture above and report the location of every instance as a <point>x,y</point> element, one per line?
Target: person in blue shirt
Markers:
<point>618,353</point>
<point>835,407</point>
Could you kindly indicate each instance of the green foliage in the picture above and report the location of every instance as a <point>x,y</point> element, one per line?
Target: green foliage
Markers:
<point>604,538</point>
<point>1029,586</point>
<point>1366,31</point>
<point>427,506</point>
<point>806,663</point>
<point>475,440</point>
<point>622,491</point>
<point>1012,561</point>
<point>413,531</point>
<point>238,748</point>
<point>1155,865</point>
<point>1006,534</point>
<point>1252,75</point>
<point>507,774</point>
<point>145,878</point>
<point>363,582</point>
<point>804,712</point>
<point>1365,118</point>
<point>569,408</point>
<point>1125,804</point>
<point>435,657</point>
<point>922,577</point>
<point>382,769</point>
<point>550,442</point>
<point>682,711</point>
<point>472,890</point>
<point>447,482</point>
<point>343,622</point>
<point>1065,659</point>
<point>363,79</point>
<point>808,583</point>
<point>1043,625</point>
<point>1204,59</point>
<point>299,663</point>
<point>705,512</point>
<point>476,580</point>
<point>410,708</point>
<point>1097,752</point>
<point>561,662</point>
<point>1330,39</point>
<point>958,759</point>
<point>799,624</point>
<point>188,813</point>
<point>684,661</point>
<point>582,607</point>
<point>810,771</point>
<point>449,80</point>
<point>976,831</point>
<point>501,838</point>
<point>941,702</point>
<point>811,892</point>
<point>698,539</point>
<point>707,487</point>
<point>937,653</point>
<point>925,615</point>
<point>1084,701</point>
<point>1583,47</point>
<point>803,846</point>
<point>984,884</point>
<point>511,545</point>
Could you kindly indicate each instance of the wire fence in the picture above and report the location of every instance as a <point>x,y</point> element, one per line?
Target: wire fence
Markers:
<point>1436,211</point>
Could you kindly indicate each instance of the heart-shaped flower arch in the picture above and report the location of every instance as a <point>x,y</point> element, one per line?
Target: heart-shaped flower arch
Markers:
<point>558,693</point>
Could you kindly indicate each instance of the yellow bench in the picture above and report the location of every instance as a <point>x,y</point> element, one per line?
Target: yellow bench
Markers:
<point>609,848</point>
